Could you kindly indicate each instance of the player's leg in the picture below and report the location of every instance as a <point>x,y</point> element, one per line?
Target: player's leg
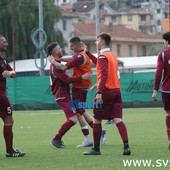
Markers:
<point>8,133</point>
<point>85,130</point>
<point>166,104</point>
<point>168,126</point>
<point>88,119</point>
<point>80,95</point>
<point>117,114</point>
<point>124,135</point>
<point>6,114</point>
<point>71,121</point>
<point>97,128</point>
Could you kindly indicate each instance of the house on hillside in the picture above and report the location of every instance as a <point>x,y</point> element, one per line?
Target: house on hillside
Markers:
<point>66,24</point>
<point>146,17</point>
<point>125,42</point>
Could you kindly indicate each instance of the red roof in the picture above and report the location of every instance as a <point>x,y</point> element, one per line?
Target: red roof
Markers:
<point>118,31</point>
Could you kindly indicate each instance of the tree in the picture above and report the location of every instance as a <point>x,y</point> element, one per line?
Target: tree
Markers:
<point>25,20</point>
<point>156,49</point>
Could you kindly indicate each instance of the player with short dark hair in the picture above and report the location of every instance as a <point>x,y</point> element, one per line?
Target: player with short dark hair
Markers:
<point>108,94</point>
<point>163,71</point>
<point>5,107</point>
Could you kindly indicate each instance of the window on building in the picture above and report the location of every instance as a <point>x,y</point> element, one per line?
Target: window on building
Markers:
<point>129,17</point>
<point>143,17</point>
<point>143,50</point>
<point>64,25</point>
<point>130,50</point>
<point>114,19</point>
<point>159,22</point>
<point>142,29</point>
<point>118,50</point>
<point>158,11</point>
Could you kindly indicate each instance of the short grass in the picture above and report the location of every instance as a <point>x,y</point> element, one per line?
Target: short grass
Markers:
<point>33,131</point>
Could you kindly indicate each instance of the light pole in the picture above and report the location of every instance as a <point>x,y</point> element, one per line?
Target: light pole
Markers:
<point>41,26</point>
<point>13,37</point>
<point>97,17</point>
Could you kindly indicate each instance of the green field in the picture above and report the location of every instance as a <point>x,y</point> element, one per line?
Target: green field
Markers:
<point>33,131</point>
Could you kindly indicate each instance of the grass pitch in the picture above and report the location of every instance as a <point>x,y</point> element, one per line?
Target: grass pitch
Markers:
<point>33,131</point>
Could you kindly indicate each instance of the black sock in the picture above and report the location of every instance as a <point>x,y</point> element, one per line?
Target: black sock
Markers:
<point>96,147</point>
<point>126,145</point>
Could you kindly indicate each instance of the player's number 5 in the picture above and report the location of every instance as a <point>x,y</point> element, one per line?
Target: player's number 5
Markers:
<point>9,110</point>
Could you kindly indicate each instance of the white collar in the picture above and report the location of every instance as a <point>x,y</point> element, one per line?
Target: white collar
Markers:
<point>104,49</point>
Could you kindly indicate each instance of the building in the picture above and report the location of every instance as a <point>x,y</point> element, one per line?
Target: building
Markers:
<point>125,42</point>
<point>146,17</point>
<point>66,24</point>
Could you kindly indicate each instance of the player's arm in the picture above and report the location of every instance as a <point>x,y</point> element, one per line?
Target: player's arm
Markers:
<point>158,76</point>
<point>7,73</point>
<point>103,65</point>
<point>93,87</point>
<point>57,64</point>
<point>91,56</point>
<point>78,59</point>
<point>66,59</point>
<point>64,77</point>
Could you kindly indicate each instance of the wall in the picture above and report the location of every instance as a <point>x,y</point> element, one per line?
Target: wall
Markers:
<point>35,92</point>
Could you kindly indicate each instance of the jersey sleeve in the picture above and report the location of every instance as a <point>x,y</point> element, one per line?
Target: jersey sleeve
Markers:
<point>103,65</point>
<point>63,76</point>
<point>77,60</point>
<point>159,69</point>
<point>9,68</point>
<point>92,57</point>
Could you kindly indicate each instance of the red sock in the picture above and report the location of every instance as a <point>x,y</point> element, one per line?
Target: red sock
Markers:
<point>8,136</point>
<point>85,132</point>
<point>97,129</point>
<point>122,131</point>
<point>64,128</point>
<point>168,126</point>
<point>91,124</point>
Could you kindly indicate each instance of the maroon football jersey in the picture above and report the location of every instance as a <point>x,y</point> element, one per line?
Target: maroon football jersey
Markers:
<point>3,66</point>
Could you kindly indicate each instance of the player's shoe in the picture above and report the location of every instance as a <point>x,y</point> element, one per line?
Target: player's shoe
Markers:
<point>15,153</point>
<point>109,122</point>
<point>127,151</point>
<point>92,152</point>
<point>169,146</point>
<point>103,139</point>
<point>86,143</point>
<point>57,143</point>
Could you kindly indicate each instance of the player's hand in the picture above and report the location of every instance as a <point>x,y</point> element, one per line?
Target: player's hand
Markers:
<point>84,47</point>
<point>93,87</point>
<point>154,95</point>
<point>6,74</point>
<point>98,98</point>
<point>51,59</point>
<point>86,76</point>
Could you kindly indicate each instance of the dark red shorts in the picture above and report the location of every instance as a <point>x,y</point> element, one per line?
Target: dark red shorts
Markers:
<point>112,105</point>
<point>80,95</point>
<point>66,108</point>
<point>166,101</point>
<point>5,106</point>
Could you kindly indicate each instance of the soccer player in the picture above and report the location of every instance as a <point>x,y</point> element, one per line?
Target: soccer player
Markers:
<point>5,106</point>
<point>61,91</point>
<point>81,64</point>
<point>108,94</point>
<point>163,70</point>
